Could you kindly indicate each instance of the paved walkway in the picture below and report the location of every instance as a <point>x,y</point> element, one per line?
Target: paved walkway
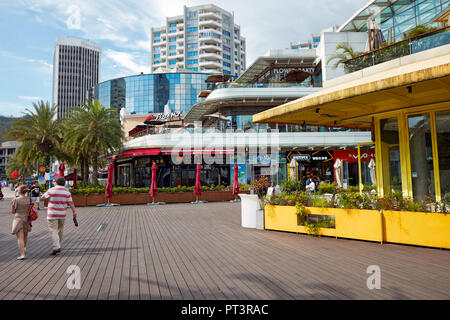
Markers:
<point>185,251</point>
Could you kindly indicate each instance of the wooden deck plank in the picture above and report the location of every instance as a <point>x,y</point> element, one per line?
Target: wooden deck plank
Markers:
<point>185,251</point>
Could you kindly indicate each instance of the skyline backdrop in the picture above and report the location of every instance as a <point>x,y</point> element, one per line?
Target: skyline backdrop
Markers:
<point>30,28</point>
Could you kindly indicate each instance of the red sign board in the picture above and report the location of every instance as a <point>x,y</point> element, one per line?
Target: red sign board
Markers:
<point>352,155</point>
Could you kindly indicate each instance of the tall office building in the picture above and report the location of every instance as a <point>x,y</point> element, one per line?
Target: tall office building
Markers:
<point>76,69</point>
<point>203,39</point>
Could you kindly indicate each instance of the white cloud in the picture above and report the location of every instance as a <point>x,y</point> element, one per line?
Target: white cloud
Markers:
<point>127,61</point>
<point>29,98</point>
<point>10,109</point>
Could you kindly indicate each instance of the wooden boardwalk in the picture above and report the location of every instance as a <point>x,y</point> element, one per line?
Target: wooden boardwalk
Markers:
<point>185,251</point>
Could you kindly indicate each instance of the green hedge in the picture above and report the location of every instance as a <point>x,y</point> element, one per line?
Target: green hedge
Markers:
<point>97,189</point>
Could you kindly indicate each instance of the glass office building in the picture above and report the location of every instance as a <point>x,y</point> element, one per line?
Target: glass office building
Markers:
<point>151,93</point>
<point>400,16</point>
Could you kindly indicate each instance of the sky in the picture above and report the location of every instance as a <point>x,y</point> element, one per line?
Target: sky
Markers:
<point>29,28</point>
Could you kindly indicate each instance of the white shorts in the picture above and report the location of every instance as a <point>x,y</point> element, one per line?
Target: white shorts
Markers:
<point>36,199</point>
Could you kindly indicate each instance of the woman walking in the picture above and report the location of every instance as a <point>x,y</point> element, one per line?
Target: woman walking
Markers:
<point>20,207</point>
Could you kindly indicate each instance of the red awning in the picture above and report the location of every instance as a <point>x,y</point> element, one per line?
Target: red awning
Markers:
<point>136,153</point>
<point>197,151</point>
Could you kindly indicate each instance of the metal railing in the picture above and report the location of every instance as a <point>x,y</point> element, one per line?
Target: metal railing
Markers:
<point>226,128</point>
<point>419,43</point>
<point>305,84</point>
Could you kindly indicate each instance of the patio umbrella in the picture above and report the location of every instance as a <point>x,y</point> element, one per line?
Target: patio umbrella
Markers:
<point>74,186</point>
<point>62,167</point>
<point>293,169</point>
<point>375,37</point>
<point>109,186</point>
<point>153,186</point>
<point>198,186</point>
<point>338,172</point>
<point>217,116</point>
<point>236,182</point>
<point>297,76</point>
<point>373,173</point>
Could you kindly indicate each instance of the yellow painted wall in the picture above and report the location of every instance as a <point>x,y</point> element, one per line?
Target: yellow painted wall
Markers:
<point>418,228</point>
<point>350,223</point>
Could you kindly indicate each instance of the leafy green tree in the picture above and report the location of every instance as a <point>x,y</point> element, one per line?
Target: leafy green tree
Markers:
<point>346,53</point>
<point>40,132</point>
<point>92,132</point>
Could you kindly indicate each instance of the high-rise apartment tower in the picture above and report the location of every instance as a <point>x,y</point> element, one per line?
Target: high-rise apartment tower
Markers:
<point>203,39</point>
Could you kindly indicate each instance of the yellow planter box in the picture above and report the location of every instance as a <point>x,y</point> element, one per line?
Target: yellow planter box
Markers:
<point>350,223</point>
<point>417,228</point>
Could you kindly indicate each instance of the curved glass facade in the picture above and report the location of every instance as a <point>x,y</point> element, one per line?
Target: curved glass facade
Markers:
<point>150,93</point>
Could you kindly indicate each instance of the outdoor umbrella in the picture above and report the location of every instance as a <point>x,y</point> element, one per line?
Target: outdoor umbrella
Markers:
<point>338,172</point>
<point>74,186</point>
<point>198,186</point>
<point>14,174</point>
<point>153,186</point>
<point>109,186</point>
<point>375,37</point>
<point>236,182</point>
<point>62,167</point>
<point>293,166</point>
<point>373,173</point>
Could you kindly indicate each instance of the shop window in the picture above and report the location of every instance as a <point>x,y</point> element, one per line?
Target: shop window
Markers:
<point>421,155</point>
<point>443,147</point>
<point>390,150</point>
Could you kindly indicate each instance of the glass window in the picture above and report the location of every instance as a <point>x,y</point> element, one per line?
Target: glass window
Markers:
<point>192,53</point>
<point>157,35</point>
<point>392,179</point>
<point>172,25</point>
<point>172,39</point>
<point>172,62</point>
<point>443,146</point>
<point>421,156</point>
<point>172,47</point>
<point>192,29</point>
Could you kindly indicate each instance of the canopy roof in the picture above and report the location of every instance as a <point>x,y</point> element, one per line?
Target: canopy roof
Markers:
<point>352,103</point>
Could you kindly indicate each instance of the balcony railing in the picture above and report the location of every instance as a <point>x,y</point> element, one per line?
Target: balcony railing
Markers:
<point>270,85</point>
<point>228,128</point>
<point>426,41</point>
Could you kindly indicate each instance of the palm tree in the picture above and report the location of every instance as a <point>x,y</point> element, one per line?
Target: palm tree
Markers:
<point>92,132</point>
<point>346,54</point>
<point>40,133</point>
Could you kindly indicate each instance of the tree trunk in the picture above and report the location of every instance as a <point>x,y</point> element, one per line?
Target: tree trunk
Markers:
<point>94,168</point>
<point>86,170</point>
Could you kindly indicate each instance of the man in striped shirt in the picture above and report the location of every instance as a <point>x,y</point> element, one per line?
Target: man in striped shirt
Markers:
<point>58,199</point>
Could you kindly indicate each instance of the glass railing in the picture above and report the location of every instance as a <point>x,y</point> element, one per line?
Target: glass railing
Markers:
<point>270,85</point>
<point>227,128</point>
<point>426,41</point>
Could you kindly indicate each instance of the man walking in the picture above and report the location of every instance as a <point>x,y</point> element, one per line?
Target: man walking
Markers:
<point>58,199</point>
<point>35,193</point>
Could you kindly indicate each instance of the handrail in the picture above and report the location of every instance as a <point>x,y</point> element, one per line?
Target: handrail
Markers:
<point>423,35</point>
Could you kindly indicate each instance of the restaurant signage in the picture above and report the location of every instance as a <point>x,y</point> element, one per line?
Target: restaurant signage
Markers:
<point>352,155</point>
<point>320,156</point>
<point>281,71</point>
<point>164,117</point>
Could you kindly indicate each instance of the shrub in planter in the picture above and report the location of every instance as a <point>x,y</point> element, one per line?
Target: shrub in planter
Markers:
<point>326,188</point>
<point>289,186</point>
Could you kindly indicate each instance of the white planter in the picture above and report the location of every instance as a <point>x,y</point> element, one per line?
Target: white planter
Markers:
<point>260,219</point>
<point>249,204</point>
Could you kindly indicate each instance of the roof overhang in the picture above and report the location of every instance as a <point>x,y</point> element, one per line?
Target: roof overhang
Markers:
<point>279,58</point>
<point>353,103</point>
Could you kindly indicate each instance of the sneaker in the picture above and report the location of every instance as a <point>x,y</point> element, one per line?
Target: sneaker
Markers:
<point>54,252</point>
<point>21,258</point>
<point>58,250</point>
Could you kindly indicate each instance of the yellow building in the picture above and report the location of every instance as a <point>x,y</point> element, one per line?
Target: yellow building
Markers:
<point>406,104</point>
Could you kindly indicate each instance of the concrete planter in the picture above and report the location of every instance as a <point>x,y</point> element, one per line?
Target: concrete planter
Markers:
<point>416,228</point>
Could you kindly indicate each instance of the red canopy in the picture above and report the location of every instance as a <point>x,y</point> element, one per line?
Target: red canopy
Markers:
<point>153,186</point>
<point>109,183</point>
<point>198,186</point>
<point>62,167</point>
<point>236,182</point>
<point>74,186</point>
